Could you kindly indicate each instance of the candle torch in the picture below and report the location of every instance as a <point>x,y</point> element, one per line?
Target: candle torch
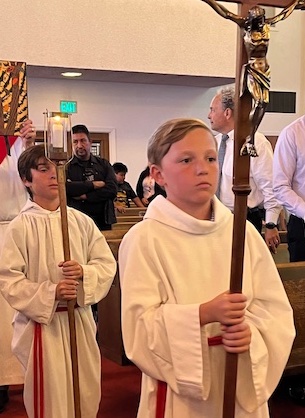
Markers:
<point>57,140</point>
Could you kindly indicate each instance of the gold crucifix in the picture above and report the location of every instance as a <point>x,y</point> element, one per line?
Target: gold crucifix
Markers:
<point>252,84</point>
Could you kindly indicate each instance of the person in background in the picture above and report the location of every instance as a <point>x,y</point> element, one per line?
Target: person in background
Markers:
<point>221,118</point>
<point>14,197</point>
<point>125,192</point>
<point>178,317</point>
<point>147,188</point>
<point>289,190</point>
<point>289,184</point>
<point>91,184</point>
<point>36,282</point>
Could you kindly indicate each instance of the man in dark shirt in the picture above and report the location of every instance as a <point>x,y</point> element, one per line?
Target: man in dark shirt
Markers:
<point>91,184</point>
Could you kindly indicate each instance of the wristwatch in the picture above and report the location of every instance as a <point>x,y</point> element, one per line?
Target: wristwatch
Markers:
<point>270,225</point>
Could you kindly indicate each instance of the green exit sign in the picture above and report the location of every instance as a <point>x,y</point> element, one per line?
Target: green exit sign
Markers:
<point>68,106</point>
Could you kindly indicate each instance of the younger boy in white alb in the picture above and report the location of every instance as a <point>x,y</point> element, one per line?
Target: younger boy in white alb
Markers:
<point>178,317</point>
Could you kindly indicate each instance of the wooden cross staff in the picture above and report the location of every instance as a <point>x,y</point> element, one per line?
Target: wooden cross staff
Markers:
<point>248,113</point>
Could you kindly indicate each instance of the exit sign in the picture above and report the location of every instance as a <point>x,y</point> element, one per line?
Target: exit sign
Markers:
<point>68,106</point>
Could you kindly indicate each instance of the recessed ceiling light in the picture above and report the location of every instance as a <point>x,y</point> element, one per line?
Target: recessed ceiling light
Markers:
<point>71,74</point>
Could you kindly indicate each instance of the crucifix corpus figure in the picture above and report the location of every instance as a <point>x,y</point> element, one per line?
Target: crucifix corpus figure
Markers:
<point>255,77</point>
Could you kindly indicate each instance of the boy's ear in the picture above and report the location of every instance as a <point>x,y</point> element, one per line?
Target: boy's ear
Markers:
<point>157,175</point>
<point>26,182</point>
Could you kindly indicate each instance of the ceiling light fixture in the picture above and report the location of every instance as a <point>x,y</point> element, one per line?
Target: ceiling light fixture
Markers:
<point>71,74</point>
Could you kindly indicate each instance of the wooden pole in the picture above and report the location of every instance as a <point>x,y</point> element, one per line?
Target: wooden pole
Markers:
<point>61,179</point>
<point>241,168</point>
<point>241,189</point>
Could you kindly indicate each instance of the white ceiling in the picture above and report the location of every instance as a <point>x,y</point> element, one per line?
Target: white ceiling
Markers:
<point>129,77</point>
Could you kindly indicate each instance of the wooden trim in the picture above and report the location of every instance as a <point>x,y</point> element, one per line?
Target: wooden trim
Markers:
<point>102,138</point>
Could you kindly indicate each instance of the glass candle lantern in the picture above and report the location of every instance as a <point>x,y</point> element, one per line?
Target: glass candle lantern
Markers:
<point>57,136</point>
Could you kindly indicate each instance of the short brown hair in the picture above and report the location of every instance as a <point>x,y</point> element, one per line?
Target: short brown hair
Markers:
<point>170,132</point>
<point>29,159</point>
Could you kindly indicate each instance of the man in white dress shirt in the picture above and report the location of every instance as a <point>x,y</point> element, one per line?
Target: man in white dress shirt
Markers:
<point>289,183</point>
<point>289,189</point>
<point>221,118</point>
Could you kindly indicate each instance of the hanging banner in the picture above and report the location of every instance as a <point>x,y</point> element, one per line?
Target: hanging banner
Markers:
<point>13,97</point>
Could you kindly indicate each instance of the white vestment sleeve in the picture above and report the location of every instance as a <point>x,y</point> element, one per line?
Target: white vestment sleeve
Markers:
<point>163,338</point>
<point>29,271</point>
<point>98,273</point>
<point>34,298</point>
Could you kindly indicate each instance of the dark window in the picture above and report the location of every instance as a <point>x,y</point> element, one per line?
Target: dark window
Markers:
<point>281,102</point>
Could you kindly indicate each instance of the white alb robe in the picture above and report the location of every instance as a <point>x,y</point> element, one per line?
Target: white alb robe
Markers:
<point>29,274</point>
<point>13,198</point>
<point>170,263</point>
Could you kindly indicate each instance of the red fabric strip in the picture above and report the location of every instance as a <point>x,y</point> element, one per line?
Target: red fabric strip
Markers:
<point>35,380</point>
<point>161,399</point>
<point>215,340</point>
<point>65,308</point>
<point>38,373</point>
<point>61,309</point>
<point>41,388</point>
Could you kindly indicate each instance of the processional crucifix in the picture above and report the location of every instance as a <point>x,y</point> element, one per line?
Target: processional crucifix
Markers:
<point>252,86</point>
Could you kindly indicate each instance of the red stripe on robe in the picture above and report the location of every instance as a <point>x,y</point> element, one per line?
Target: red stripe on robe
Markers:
<point>162,386</point>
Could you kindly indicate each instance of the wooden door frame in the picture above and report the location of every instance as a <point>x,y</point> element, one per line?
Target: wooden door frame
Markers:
<point>101,138</point>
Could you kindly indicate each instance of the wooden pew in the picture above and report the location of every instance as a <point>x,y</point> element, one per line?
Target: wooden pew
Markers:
<point>129,218</point>
<point>114,234</point>
<point>293,277</point>
<point>282,254</point>
<point>109,318</point>
<point>134,211</point>
<point>123,225</point>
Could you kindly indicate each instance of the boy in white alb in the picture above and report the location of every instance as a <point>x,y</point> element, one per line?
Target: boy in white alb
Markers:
<point>37,283</point>
<point>178,317</point>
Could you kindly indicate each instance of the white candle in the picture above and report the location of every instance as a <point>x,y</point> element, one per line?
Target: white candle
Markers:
<point>57,135</point>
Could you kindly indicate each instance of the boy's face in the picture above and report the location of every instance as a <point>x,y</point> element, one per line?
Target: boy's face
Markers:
<point>189,172</point>
<point>120,177</point>
<point>44,186</point>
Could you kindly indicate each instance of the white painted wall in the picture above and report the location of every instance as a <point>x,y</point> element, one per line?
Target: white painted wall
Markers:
<point>286,56</point>
<point>162,36</point>
<point>130,111</point>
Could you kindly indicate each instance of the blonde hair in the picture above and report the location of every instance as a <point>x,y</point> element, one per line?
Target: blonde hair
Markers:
<point>170,132</point>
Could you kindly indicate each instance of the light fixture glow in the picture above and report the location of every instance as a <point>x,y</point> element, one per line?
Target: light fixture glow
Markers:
<point>71,74</point>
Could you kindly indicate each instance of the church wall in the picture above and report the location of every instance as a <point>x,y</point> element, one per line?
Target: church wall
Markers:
<point>170,37</point>
<point>173,37</point>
